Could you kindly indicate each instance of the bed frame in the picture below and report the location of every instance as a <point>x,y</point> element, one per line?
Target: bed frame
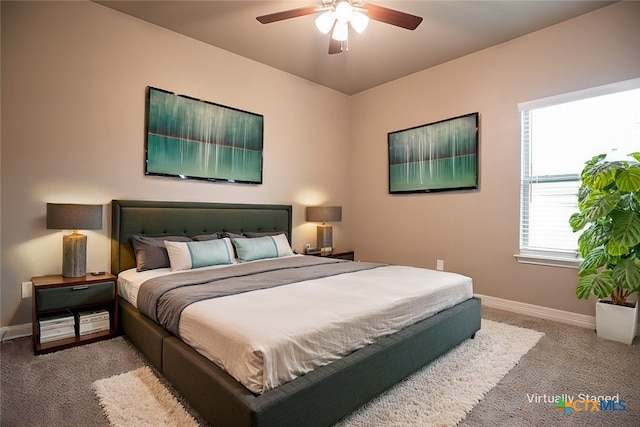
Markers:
<point>319,398</point>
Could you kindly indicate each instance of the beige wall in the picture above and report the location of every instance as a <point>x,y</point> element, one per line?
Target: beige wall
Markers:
<point>73,85</point>
<point>73,102</point>
<point>476,233</point>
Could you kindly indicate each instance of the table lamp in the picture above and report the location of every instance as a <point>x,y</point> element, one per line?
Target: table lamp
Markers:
<point>61,216</point>
<point>324,214</point>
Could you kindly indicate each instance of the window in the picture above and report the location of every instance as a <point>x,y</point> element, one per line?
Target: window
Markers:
<point>559,135</point>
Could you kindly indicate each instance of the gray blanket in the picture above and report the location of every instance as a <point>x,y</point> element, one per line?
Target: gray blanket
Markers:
<point>164,298</point>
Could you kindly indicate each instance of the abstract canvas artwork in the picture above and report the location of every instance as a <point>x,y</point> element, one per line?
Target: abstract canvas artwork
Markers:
<point>191,138</point>
<point>439,156</point>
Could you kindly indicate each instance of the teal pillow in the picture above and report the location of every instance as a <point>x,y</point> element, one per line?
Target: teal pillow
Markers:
<point>262,247</point>
<point>188,255</point>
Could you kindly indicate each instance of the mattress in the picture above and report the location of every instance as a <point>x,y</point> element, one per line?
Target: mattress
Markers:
<point>268,337</point>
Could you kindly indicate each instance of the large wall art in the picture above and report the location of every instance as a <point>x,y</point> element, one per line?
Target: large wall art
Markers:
<point>191,138</point>
<point>439,156</point>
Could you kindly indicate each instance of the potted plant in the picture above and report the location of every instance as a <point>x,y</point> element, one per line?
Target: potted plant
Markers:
<point>609,206</point>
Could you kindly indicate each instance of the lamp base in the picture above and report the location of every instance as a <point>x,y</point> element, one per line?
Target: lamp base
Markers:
<point>325,237</point>
<point>74,255</point>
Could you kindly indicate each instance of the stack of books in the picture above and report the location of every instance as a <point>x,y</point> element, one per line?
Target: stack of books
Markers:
<point>57,327</point>
<point>90,322</point>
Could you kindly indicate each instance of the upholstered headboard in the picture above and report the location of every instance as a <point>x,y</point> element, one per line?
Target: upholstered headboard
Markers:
<point>156,218</point>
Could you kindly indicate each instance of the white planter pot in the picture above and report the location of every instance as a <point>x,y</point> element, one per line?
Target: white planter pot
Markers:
<point>616,322</point>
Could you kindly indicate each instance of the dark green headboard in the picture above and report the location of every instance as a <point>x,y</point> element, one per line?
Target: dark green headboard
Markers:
<point>151,218</point>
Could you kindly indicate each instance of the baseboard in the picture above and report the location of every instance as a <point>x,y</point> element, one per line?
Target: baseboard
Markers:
<point>15,331</point>
<point>541,312</point>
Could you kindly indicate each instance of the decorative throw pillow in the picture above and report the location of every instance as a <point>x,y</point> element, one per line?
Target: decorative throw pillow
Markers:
<point>262,247</point>
<point>188,255</point>
<point>231,234</point>
<point>151,253</point>
<point>254,234</point>
<point>204,237</point>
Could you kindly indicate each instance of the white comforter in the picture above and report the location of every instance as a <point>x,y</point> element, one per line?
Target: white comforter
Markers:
<point>269,337</point>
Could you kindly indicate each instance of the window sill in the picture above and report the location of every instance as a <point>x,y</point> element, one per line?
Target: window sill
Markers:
<point>549,260</point>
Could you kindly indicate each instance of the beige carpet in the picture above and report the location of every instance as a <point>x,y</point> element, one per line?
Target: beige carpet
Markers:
<point>441,394</point>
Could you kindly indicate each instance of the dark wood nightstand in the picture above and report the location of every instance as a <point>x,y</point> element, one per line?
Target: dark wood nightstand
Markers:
<point>56,298</point>
<point>348,255</point>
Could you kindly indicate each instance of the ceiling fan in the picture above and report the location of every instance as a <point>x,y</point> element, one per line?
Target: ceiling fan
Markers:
<point>337,15</point>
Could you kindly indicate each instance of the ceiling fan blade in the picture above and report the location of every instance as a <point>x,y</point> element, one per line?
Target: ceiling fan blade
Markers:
<point>335,46</point>
<point>393,17</point>
<point>287,14</point>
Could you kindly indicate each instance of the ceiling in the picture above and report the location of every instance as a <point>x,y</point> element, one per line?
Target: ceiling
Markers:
<point>382,53</point>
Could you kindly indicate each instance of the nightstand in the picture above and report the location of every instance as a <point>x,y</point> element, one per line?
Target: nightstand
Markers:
<point>348,255</point>
<point>57,299</point>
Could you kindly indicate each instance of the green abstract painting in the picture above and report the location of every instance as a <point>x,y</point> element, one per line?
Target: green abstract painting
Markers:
<point>435,157</point>
<point>190,138</point>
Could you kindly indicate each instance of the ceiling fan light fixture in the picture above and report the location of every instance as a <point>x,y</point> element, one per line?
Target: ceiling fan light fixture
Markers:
<point>344,11</point>
<point>359,21</point>
<point>336,16</point>
<point>341,31</point>
<point>324,22</point>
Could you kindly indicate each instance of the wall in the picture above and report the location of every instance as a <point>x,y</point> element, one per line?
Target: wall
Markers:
<point>73,100</point>
<point>73,85</point>
<point>477,233</point>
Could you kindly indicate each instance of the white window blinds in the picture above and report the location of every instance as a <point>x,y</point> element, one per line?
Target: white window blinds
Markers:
<point>559,135</point>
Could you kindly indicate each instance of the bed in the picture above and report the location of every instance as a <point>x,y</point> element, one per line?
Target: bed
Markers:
<point>319,397</point>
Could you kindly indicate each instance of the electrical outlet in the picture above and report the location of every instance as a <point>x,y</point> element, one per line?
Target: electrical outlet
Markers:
<point>26,289</point>
<point>440,265</point>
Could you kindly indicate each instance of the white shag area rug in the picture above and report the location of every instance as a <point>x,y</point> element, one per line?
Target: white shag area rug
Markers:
<point>441,394</point>
<point>138,398</point>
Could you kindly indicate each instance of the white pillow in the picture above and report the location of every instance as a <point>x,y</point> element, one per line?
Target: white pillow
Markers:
<point>188,255</point>
<point>251,249</point>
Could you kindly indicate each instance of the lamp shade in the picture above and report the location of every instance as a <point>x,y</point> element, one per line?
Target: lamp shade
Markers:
<point>64,216</point>
<point>324,213</point>
<point>341,31</point>
<point>324,22</point>
<point>359,21</point>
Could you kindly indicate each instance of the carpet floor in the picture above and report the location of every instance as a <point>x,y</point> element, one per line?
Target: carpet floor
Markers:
<point>57,389</point>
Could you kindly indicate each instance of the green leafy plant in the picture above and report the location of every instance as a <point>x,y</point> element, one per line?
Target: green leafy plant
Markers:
<point>609,206</point>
